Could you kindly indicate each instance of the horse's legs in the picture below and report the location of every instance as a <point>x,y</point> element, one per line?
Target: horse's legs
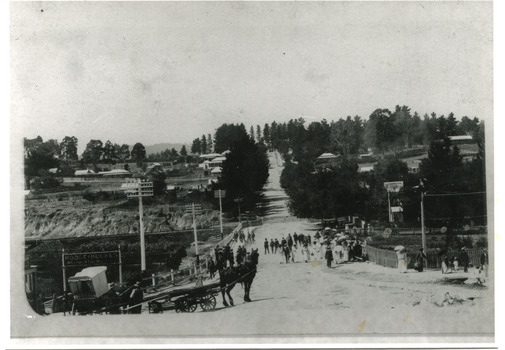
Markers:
<point>228,290</point>
<point>224,299</point>
<point>247,286</point>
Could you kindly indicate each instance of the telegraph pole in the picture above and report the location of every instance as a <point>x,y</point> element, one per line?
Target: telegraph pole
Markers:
<point>220,194</point>
<point>423,233</point>
<point>138,188</point>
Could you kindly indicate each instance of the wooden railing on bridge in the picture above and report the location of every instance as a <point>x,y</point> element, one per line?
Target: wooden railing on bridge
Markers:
<point>388,258</point>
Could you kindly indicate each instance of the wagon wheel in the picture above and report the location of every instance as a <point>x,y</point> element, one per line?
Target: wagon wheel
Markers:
<point>191,304</point>
<point>208,302</point>
<point>180,305</point>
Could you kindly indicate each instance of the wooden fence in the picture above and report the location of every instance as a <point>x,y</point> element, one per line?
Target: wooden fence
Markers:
<point>388,258</point>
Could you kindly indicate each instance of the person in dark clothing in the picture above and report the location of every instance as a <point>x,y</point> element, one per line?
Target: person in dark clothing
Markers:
<point>308,240</point>
<point>484,261</point>
<point>290,241</point>
<point>276,244</point>
<point>295,238</point>
<point>136,299</point>
<point>253,236</point>
<point>287,253</point>
<point>265,244</point>
<point>272,245</point>
<point>328,256</point>
<point>358,250</point>
<point>464,259</point>
<point>228,253</point>
<point>283,242</point>
<point>420,257</point>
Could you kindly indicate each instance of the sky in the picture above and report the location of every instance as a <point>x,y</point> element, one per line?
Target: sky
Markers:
<point>172,71</point>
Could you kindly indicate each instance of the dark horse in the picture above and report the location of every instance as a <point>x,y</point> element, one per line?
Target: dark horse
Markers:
<point>243,273</point>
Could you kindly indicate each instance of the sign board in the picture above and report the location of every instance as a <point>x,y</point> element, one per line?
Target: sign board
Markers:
<point>198,209</point>
<point>91,259</point>
<point>393,186</point>
<point>397,209</point>
<point>138,188</point>
<point>216,193</point>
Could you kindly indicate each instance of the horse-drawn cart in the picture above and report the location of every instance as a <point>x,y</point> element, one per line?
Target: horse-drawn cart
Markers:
<point>91,293</point>
<point>187,299</point>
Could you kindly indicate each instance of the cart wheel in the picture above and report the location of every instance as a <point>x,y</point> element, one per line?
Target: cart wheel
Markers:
<point>179,306</point>
<point>191,305</point>
<point>208,302</point>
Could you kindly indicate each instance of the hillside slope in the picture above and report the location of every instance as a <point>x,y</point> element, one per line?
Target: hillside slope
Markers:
<point>81,219</point>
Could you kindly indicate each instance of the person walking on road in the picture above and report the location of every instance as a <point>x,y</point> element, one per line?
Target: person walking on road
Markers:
<point>464,259</point>
<point>276,245</point>
<point>267,251</point>
<point>328,256</point>
<point>484,262</point>
<point>420,257</point>
<point>287,253</point>
<point>402,260</point>
<point>272,245</point>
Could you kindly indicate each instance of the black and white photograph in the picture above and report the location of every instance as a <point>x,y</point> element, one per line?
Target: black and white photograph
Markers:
<point>238,172</point>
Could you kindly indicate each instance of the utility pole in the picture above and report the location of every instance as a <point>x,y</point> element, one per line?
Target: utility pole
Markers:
<point>423,233</point>
<point>139,188</point>
<point>238,200</point>
<point>220,194</point>
<point>196,236</point>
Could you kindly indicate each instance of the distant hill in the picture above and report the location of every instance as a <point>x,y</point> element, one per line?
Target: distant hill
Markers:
<point>159,147</point>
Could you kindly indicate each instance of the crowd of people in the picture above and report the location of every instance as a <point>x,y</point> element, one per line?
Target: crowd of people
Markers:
<point>449,264</point>
<point>244,238</point>
<point>303,248</point>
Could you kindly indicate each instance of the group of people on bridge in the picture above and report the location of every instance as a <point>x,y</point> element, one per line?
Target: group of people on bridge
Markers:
<point>299,248</point>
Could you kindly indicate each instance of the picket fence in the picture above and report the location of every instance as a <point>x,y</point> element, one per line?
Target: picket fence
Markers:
<point>388,258</point>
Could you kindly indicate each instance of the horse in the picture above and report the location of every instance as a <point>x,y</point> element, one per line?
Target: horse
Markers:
<point>243,273</point>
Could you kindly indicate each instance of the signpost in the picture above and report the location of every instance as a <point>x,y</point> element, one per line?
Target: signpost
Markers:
<point>220,194</point>
<point>393,186</point>
<point>138,188</point>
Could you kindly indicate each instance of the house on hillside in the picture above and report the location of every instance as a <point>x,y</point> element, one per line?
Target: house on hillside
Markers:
<point>85,173</point>
<point>115,173</point>
<point>326,159</point>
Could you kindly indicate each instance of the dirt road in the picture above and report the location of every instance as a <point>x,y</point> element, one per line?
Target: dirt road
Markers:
<point>301,299</point>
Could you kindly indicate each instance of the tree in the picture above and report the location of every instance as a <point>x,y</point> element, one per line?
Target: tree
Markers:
<point>210,144</point>
<point>138,154</point>
<point>69,148</point>
<point>258,134</point>
<point>184,152</point>
<point>93,152</point>
<point>380,130</point>
<point>40,156</point>
<point>110,153</point>
<point>266,134</point>
<point>245,170</point>
<point>203,146</point>
<point>227,134</point>
<point>405,126</point>
<point>251,133</point>
<point>345,135</point>
<point>196,147</point>
<point>124,153</point>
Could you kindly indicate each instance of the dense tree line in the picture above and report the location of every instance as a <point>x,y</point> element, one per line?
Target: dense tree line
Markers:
<point>338,189</point>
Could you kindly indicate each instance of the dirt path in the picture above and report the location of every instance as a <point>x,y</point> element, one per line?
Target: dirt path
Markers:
<point>309,299</point>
